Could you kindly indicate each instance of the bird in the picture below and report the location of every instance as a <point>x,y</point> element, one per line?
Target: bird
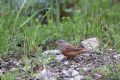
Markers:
<point>69,50</point>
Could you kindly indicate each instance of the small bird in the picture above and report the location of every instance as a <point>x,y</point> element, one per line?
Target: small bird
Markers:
<point>69,50</point>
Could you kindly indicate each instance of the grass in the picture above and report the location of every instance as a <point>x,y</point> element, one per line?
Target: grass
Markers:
<point>110,72</point>
<point>8,76</point>
<point>93,18</point>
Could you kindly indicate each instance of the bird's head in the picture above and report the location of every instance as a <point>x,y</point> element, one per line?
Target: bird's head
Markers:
<point>60,43</point>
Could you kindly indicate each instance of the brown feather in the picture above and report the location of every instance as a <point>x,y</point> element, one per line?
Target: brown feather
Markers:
<point>70,50</point>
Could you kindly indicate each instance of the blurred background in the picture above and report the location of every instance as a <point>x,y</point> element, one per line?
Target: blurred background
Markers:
<point>42,22</point>
<point>29,27</point>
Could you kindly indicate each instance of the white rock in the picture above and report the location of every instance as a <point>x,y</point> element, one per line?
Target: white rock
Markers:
<point>71,79</point>
<point>75,73</point>
<point>117,56</point>
<point>57,53</point>
<point>59,57</point>
<point>64,79</point>
<point>86,69</point>
<point>98,75</point>
<point>66,62</point>
<point>13,69</point>
<point>45,75</point>
<point>79,77</point>
<point>1,72</point>
<point>86,54</point>
<point>48,52</point>
<point>65,72</point>
<point>90,44</point>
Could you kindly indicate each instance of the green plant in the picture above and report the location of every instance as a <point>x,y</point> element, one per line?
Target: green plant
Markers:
<point>93,18</point>
<point>3,41</point>
<point>9,76</point>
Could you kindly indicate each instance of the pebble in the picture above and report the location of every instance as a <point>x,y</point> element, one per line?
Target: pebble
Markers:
<point>71,79</point>
<point>79,77</point>
<point>13,69</point>
<point>65,73</point>
<point>59,57</point>
<point>98,76</point>
<point>57,53</point>
<point>117,56</point>
<point>66,62</point>
<point>48,52</point>
<point>75,73</point>
<point>86,69</point>
<point>1,72</point>
<point>45,75</point>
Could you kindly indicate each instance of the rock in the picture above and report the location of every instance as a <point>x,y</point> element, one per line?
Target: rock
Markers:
<point>90,44</point>
<point>13,69</point>
<point>65,73</point>
<point>37,67</point>
<point>117,56</point>
<point>87,54</point>
<point>86,69</point>
<point>78,69</point>
<point>75,73</point>
<point>57,53</point>
<point>45,75</point>
<point>98,76</point>
<point>60,57</point>
<point>1,72</point>
<point>71,79</point>
<point>53,64</point>
<point>72,66</point>
<point>18,78</point>
<point>65,79</point>
<point>49,52</point>
<point>79,78</point>
<point>66,62</point>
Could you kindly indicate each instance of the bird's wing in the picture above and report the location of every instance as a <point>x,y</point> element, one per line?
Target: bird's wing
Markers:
<point>72,48</point>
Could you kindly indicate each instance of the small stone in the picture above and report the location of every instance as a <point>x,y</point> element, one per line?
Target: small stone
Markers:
<point>26,68</point>
<point>66,62</point>
<point>45,75</point>
<point>48,52</point>
<point>78,69</point>
<point>72,66</point>
<point>79,77</point>
<point>75,73</point>
<point>71,70</point>
<point>65,79</point>
<point>86,69</point>
<point>71,79</point>
<point>59,57</point>
<point>53,64</point>
<point>117,56</point>
<point>18,78</point>
<point>1,72</point>
<point>13,69</point>
<point>87,54</point>
<point>98,76</point>
<point>57,53</point>
<point>21,64</point>
<point>65,73</point>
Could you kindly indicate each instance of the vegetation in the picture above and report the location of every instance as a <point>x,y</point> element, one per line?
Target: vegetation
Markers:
<point>92,18</point>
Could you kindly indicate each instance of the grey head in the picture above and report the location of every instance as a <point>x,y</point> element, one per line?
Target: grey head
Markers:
<point>62,43</point>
